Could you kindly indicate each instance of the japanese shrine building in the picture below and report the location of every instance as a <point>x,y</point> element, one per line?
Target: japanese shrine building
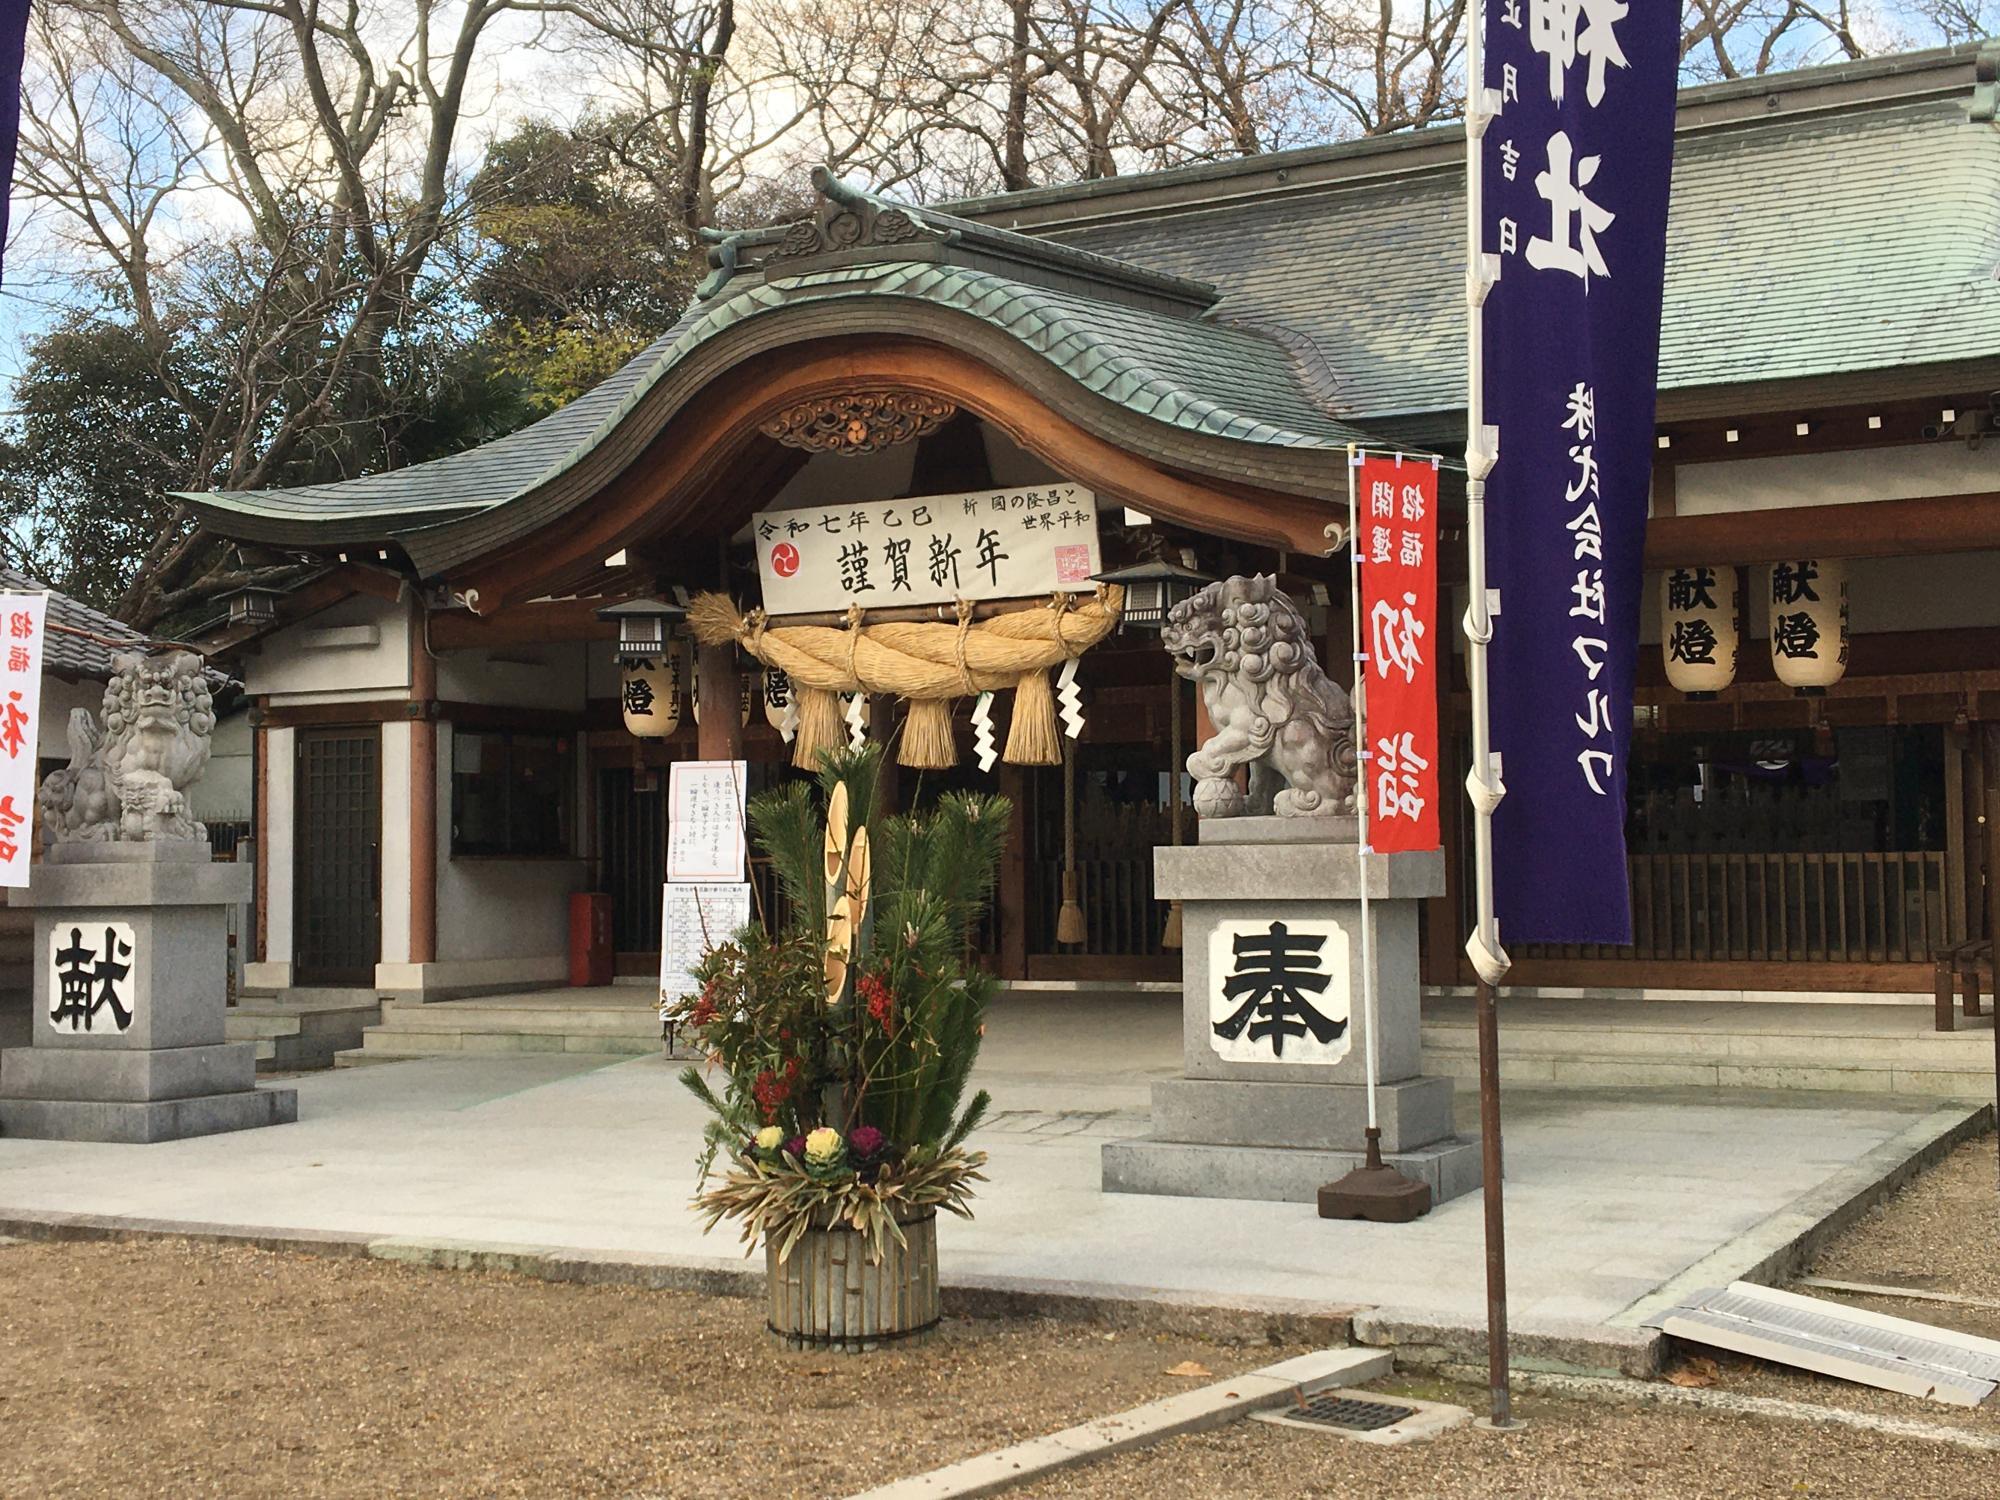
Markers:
<point>440,755</point>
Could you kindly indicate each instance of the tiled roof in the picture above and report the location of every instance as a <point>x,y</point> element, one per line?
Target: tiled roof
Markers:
<point>1200,375</point>
<point>1815,231</point>
<point>84,645</point>
<point>1805,246</point>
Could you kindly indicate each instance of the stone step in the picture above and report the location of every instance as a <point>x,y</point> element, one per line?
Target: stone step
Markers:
<point>469,1016</point>
<point>302,1028</point>
<point>239,1026</point>
<point>1962,1049</point>
<point>383,1041</point>
<point>356,1057</point>
<point>1856,1074</point>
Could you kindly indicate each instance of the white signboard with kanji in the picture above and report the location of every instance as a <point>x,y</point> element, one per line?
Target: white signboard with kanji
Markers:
<point>1278,991</point>
<point>22,618</point>
<point>91,988</point>
<point>693,919</point>
<point>993,544</point>
<point>705,836</point>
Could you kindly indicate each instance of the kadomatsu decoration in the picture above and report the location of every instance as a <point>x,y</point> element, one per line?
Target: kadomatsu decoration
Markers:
<point>843,1040</point>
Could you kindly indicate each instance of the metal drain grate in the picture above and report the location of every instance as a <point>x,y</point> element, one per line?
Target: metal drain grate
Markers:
<point>1348,1414</point>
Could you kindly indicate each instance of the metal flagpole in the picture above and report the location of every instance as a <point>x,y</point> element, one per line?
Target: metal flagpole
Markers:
<point>1373,1190</point>
<point>1359,699</point>
<point>1482,782</point>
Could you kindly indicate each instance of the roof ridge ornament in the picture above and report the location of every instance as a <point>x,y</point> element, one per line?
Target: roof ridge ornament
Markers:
<point>850,218</point>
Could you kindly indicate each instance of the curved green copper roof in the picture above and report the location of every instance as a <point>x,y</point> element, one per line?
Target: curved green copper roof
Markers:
<point>1203,378</point>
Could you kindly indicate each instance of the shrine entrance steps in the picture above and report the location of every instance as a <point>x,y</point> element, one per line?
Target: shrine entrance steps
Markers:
<point>619,1020</point>
<point>295,1029</point>
<point>1632,1043</point>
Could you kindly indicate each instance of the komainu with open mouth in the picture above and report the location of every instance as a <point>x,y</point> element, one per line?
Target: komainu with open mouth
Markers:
<point>1274,708</point>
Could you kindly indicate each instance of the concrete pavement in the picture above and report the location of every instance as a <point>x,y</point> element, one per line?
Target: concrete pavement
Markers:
<point>1610,1194</point>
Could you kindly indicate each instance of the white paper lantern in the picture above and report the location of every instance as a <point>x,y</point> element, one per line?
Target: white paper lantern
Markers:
<point>1698,629</point>
<point>1809,623</point>
<point>650,695</point>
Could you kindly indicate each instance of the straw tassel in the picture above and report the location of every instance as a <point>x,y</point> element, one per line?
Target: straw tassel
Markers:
<point>927,740</point>
<point>820,727</point>
<point>1032,737</point>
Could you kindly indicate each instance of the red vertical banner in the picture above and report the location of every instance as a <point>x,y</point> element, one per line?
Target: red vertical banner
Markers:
<point>21,622</point>
<point>1397,546</point>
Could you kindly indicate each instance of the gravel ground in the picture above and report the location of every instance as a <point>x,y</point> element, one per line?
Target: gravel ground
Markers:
<point>1569,1450</point>
<point>172,1369</point>
<point>1941,1233</point>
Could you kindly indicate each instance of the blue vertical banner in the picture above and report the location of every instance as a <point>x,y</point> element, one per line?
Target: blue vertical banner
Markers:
<point>1576,166</point>
<point>13,43</point>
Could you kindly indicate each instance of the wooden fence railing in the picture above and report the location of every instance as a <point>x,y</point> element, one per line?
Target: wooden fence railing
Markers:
<point>1120,915</point>
<point>1804,908</point>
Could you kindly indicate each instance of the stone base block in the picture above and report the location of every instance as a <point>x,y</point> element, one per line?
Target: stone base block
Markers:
<point>140,1123</point>
<point>1412,1112</point>
<point>1277,1174</point>
<point>116,1076</point>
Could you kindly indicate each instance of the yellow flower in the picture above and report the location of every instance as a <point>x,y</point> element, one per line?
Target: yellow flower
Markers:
<point>770,1138</point>
<point>823,1144</point>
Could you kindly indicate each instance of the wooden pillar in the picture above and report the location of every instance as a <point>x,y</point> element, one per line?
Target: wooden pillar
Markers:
<point>260,830</point>
<point>882,730</point>
<point>423,793</point>
<point>1012,892</point>
<point>719,736</point>
<point>1960,800</point>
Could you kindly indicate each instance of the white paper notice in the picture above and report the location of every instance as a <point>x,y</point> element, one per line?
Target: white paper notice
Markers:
<point>705,815</point>
<point>21,623</point>
<point>693,919</point>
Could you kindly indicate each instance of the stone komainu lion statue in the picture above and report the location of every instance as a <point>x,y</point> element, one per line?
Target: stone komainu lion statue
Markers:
<point>1273,707</point>
<point>128,781</point>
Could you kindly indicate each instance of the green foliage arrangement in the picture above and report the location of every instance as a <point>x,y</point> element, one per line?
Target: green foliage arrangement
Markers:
<point>845,1040</point>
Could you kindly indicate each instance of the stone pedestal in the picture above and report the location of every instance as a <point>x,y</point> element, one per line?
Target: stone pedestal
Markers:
<point>1273,1101</point>
<point>131,987</point>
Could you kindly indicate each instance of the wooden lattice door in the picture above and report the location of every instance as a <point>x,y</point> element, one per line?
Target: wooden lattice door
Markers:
<point>632,843</point>
<point>337,895</point>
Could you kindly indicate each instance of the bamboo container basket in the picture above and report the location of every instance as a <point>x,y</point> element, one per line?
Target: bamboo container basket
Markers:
<point>828,1296</point>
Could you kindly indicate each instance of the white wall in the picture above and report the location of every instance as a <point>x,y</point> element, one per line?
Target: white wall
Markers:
<point>395,846</point>
<point>359,649</point>
<point>1902,473</point>
<point>548,676</point>
<point>281,745</point>
<point>499,908</point>
<point>58,698</point>
<point>224,791</point>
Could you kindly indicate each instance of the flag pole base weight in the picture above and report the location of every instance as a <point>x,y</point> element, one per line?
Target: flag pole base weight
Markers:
<point>1375,1192</point>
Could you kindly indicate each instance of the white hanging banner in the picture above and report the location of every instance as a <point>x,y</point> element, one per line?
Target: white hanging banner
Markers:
<point>989,544</point>
<point>22,619</point>
<point>705,839</point>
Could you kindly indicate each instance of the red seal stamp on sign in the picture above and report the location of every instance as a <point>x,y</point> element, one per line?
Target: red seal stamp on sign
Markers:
<point>1073,564</point>
<point>784,559</point>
